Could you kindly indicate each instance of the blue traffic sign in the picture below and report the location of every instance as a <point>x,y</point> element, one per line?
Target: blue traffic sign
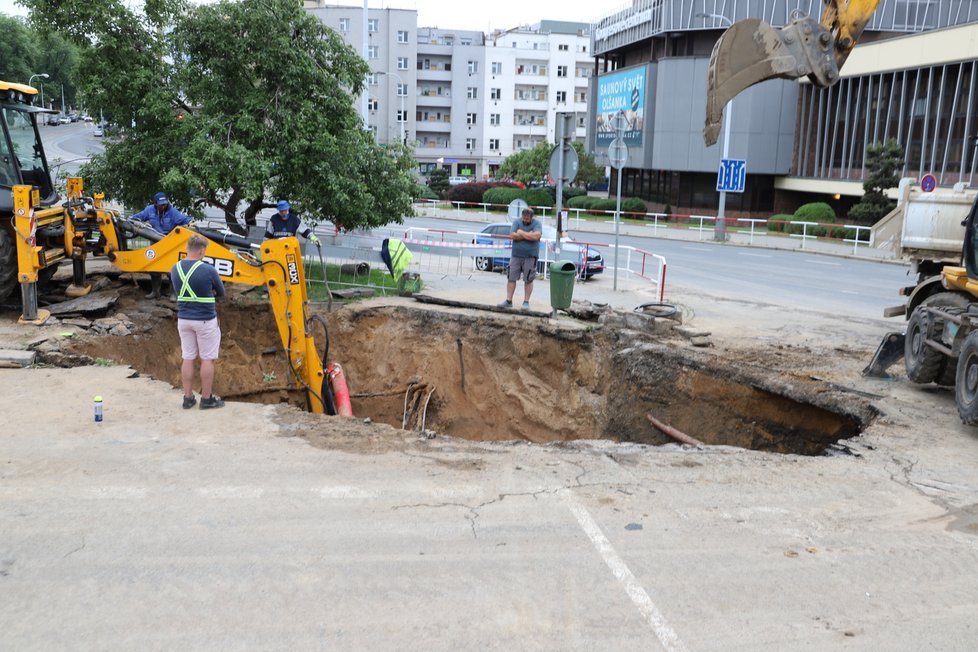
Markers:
<point>732,175</point>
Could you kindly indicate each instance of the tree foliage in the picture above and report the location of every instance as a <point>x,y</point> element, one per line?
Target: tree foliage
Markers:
<point>25,54</point>
<point>884,161</point>
<point>231,105</point>
<point>533,164</point>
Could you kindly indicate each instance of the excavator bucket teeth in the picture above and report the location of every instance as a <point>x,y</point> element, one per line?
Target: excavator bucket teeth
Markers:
<point>751,51</point>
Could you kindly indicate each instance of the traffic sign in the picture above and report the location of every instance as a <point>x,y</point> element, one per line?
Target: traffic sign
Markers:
<point>571,163</point>
<point>516,208</point>
<point>617,153</point>
<point>732,175</point>
<point>619,122</point>
<point>928,183</point>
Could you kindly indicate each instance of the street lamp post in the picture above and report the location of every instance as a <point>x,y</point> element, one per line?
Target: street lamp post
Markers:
<point>402,113</point>
<point>720,227</point>
<point>42,75</point>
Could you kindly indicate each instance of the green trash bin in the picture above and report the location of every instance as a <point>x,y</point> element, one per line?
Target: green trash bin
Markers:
<point>562,276</point>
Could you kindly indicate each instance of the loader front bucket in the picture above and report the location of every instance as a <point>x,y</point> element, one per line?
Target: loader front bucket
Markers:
<point>889,351</point>
<point>751,51</point>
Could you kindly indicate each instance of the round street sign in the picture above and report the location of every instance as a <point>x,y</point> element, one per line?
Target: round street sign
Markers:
<point>617,153</point>
<point>571,163</point>
<point>619,122</point>
<point>928,183</point>
<point>516,208</point>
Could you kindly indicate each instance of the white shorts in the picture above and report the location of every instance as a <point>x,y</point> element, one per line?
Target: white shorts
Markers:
<point>199,339</point>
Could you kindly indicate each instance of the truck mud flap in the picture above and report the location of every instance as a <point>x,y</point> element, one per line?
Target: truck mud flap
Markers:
<point>889,351</point>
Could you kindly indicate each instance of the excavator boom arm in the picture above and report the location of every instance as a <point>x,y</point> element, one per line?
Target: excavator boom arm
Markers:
<point>751,51</point>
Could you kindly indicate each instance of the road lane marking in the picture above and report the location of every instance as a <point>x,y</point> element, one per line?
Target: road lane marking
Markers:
<point>666,635</point>
<point>754,255</point>
<point>697,248</point>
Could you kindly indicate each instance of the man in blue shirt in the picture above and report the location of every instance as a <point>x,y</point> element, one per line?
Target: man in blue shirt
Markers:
<point>163,218</point>
<point>526,233</point>
<point>197,286</point>
<point>285,223</point>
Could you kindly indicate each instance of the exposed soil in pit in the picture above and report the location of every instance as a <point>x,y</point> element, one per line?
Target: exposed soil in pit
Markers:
<point>524,378</point>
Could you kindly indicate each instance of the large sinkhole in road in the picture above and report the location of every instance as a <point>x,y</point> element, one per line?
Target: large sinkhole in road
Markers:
<point>486,376</point>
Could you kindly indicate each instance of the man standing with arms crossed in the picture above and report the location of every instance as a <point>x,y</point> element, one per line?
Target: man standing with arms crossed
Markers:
<point>526,234</point>
<point>197,285</point>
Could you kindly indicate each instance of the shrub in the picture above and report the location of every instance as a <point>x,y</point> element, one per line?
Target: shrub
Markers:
<point>633,205</point>
<point>777,222</point>
<point>538,196</point>
<point>571,192</point>
<point>474,191</point>
<point>816,212</point>
<point>581,201</point>
<point>424,192</point>
<point>501,197</point>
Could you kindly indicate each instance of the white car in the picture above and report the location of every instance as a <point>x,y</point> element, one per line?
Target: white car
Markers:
<point>98,131</point>
<point>457,181</point>
<point>65,120</point>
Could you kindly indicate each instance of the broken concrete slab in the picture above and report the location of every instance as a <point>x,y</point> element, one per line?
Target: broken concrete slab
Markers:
<point>12,358</point>
<point>93,303</point>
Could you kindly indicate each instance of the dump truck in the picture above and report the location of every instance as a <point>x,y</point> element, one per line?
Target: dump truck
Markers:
<point>935,232</point>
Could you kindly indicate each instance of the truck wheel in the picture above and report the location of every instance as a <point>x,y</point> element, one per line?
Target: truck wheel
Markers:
<point>966,385</point>
<point>922,362</point>
<point>8,265</point>
<point>947,367</point>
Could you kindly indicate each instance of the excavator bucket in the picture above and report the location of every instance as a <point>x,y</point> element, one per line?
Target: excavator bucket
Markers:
<point>751,51</point>
<point>889,351</point>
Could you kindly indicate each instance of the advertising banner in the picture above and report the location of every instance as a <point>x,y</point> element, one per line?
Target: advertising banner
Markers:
<point>625,91</point>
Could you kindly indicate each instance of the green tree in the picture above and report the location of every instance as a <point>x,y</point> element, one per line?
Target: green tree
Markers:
<point>534,164</point>
<point>529,164</point>
<point>438,181</point>
<point>19,51</point>
<point>231,105</point>
<point>884,161</point>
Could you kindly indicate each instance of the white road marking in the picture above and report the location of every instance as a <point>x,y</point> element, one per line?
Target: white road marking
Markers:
<point>754,255</point>
<point>849,292</point>
<point>698,248</point>
<point>666,635</point>
<point>231,492</point>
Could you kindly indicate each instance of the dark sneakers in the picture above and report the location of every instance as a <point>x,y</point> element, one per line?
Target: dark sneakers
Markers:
<point>214,401</point>
<point>189,402</point>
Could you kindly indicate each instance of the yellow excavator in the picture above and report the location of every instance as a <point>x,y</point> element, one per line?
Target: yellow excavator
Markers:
<point>91,229</point>
<point>751,51</point>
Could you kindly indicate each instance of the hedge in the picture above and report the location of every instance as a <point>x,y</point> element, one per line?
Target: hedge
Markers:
<point>474,192</point>
<point>500,198</point>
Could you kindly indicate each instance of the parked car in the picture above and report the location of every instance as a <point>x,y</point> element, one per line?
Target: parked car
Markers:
<point>53,121</point>
<point>65,120</point>
<point>98,131</point>
<point>569,250</point>
<point>456,181</point>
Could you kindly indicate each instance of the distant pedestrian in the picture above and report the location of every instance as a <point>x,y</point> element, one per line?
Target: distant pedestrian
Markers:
<point>285,223</point>
<point>197,286</point>
<point>163,217</point>
<point>526,233</point>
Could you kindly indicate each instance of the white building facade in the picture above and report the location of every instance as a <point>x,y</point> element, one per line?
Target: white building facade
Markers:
<point>466,101</point>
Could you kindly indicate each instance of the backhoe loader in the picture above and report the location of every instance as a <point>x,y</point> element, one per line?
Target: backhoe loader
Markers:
<point>90,229</point>
<point>751,51</point>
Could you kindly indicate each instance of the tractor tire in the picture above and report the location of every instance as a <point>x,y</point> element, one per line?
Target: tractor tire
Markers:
<point>483,264</point>
<point>966,385</point>
<point>8,265</point>
<point>922,362</point>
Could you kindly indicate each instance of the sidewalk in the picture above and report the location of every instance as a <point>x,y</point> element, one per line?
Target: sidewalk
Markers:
<point>760,239</point>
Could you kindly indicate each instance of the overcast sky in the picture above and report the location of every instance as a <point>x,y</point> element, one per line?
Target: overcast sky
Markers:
<point>457,14</point>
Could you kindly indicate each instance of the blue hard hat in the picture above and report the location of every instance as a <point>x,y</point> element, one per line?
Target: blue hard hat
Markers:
<point>160,198</point>
<point>283,205</point>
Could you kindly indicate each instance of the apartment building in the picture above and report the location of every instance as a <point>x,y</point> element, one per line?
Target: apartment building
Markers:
<point>466,101</point>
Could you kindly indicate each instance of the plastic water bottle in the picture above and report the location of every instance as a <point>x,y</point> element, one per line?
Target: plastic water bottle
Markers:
<point>98,409</point>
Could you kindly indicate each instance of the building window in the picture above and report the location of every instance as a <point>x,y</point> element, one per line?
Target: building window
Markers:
<point>402,63</point>
<point>563,47</point>
<point>494,120</point>
<point>372,79</point>
<point>473,67</point>
<point>373,104</point>
<point>402,90</point>
<point>472,93</point>
<point>497,67</point>
<point>372,51</point>
<point>344,25</point>
<point>494,143</point>
<point>373,25</point>
<point>402,116</point>
<point>470,118</point>
<point>470,143</point>
<point>561,97</point>
<point>561,71</point>
<point>465,41</point>
<point>495,93</point>
<point>402,36</point>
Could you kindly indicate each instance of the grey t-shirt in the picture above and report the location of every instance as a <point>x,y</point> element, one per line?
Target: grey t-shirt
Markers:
<point>525,248</point>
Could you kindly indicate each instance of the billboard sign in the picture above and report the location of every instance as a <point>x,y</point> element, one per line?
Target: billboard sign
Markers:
<point>621,91</point>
